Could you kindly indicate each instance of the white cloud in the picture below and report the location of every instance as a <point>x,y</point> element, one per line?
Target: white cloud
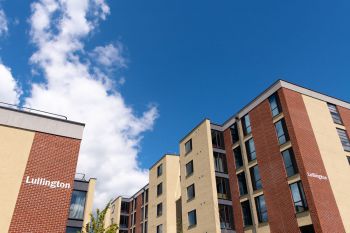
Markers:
<point>110,55</point>
<point>9,91</point>
<point>3,23</point>
<point>113,130</point>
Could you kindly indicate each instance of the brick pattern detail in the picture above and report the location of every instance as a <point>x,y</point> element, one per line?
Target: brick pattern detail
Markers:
<point>280,207</point>
<point>236,205</point>
<point>323,208</point>
<point>345,117</point>
<point>41,209</point>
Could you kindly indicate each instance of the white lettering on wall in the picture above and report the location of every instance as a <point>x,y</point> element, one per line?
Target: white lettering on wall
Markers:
<point>48,183</point>
<point>314,175</point>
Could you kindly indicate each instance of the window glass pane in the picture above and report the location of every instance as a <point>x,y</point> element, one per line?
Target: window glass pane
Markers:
<point>298,197</point>
<point>159,189</point>
<point>189,168</point>
<point>247,216</point>
<point>274,105</point>
<point>160,170</point>
<point>335,114</point>
<point>160,228</point>
<point>348,159</point>
<point>220,162</point>
<point>238,157</point>
<point>77,205</point>
<point>159,209</point>
<point>250,147</point>
<point>223,188</point>
<point>344,139</point>
<point>255,176</point>
<point>123,221</point>
<point>190,192</point>
<point>242,184</point>
<point>192,218</point>
<point>188,146</point>
<point>226,217</point>
<point>281,131</point>
<point>289,162</point>
<point>73,229</point>
<point>261,208</point>
<point>217,138</point>
<point>246,125</point>
<point>234,133</point>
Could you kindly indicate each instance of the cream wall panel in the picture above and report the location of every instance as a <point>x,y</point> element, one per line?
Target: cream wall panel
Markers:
<point>332,154</point>
<point>206,201</point>
<point>15,148</point>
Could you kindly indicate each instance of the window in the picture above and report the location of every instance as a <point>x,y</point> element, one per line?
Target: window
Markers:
<point>348,159</point>
<point>160,170</point>
<point>188,146</point>
<point>113,207</point>
<point>238,157</point>
<point>250,147</point>
<point>134,219</point>
<point>192,218</point>
<point>146,198</point>
<point>123,222</point>
<point>142,214</point>
<point>234,133</point>
<point>159,209</point>
<point>124,207</point>
<point>335,114</point>
<point>190,192</point>
<point>189,168</point>
<point>159,189</point>
<point>247,215</point>
<point>275,105</point>
<point>220,162</point>
<point>73,229</point>
<point>261,208</point>
<point>242,184</point>
<point>226,217</point>
<point>160,228</point>
<point>289,162</point>
<point>281,130</point>
<point>223,188</point>
<point>255,176</point>
<point>146,211</point>
<point>77,205</point>
<point>146,227</point>
<point>134,203</point>
<point>247,129</point>
<point>344,139</point>
<point>217,139</point>
<point>299,199</point>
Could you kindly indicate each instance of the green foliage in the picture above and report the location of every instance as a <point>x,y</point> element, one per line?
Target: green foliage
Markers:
<point>97,224</point>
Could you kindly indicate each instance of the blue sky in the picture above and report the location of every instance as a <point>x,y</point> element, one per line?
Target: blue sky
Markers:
<point>197,59</point>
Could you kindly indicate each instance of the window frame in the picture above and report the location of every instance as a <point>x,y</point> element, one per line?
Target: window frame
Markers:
<point>160,228</point>
<point>234,133</point>
<point>238,157</point>
<point>224,184</point>
<point>194,212</point>
<point>249,151</point>
<point>188,146</point>
<point>217,157</point>
<point>285,134</point>
<point>187,166</point>
<point>159,189</point>
<point>218,137</point>
<point>261,210</point>
<point>247,129</point>
<point>276,98</point>
<point>254,172</point>
<point>240,184</point>
<point>343,134</point>
<point>247,219</point>
<point>160,170</point>
<point>302,196</point>
<point>192,186</point>
<point>228,222</point>
<point>333,110</point>
<point>292,159</point>
<point>83,212</point>
<point>159,209</point>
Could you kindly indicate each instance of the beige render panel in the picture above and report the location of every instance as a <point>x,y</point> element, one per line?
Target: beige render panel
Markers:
<point>332,154</point>
<point>89,201</point>
<point>206,201</point>
<point>171,185</point>
<point>15,147</point>
<point>113,214</point>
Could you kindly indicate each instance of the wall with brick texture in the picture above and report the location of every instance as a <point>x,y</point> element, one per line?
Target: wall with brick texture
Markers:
<point>280,207</point>
<point>323,209</point>
<point>38,208</point>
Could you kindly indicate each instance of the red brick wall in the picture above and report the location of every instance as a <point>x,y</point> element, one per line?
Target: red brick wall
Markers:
<point>237,210</point>
<point>138,213</point>
<point>280,207</point>
<point>38,208</point>
<point>324,211</point>
<point>345,116</point>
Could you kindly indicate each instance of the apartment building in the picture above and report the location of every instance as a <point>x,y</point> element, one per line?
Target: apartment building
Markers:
<point>280,164</point>
<point>38,158</point>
